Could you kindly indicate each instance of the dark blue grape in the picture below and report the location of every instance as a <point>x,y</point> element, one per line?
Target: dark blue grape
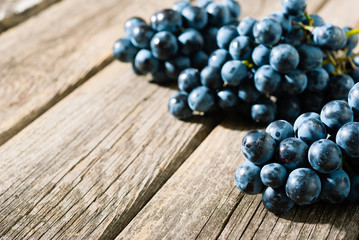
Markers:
<point>233,7</point>
<point>210,36</point>
<point>247,178</point>
<point>324,156</point>
<point>273,175</point>
<point>175,66</point>
<point>303,186</point>
<point>241,48</point>
<point>304,117</point>
<point>166,20</point>
<point>131,23</point>
<point>329,67</point>
<point>267,31</point>
<point>294,82</point>
<point>294,7</point>
<point>233,72</point>
<point>339,86</point>
<point>218,14</point>
<point>145,62</point>
<point>211,77</point>
<point>335,114</point>
<point>311,130</point>
<point>276,200</point>
<point>124,50</point>
<point>180,5</point>
<point>190,41</point>
<point>318,79</point>
<point>141,36</point>
<point>188,79</point>
<point>328,37</point>
<point>284,58</point>
<point>218,58</point>
<point>263,111</point>
<point>178,106</point>
<point>266,79</point>
<point>258,147</point>
<point>201,99</point>
<point>293,153</point>
<point>260,55</point>
<point>335,187</point>
<point>245,27</point>
<point>225,35</point>
<point>348,138</point>
<point>280,130</point>
<point>195,17</point>
<point>227,99</point>
<point>353,99</point>
<point>164,45</point>
<point>310,57</point>
<point>159,76</point>
<point>352,41</point>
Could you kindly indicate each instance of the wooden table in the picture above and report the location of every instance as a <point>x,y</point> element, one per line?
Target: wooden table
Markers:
<point>89,151</point>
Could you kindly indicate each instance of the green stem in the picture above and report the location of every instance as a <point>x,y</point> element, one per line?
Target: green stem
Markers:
<point>352,32</point>
<point>309,18</point>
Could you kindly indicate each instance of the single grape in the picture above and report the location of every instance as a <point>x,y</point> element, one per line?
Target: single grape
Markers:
<point>348,138</point>
<point>124,50</point>
<point>227,99</point>
<point>335,187</point>
<point>241,48</point>
<point>311,130</point>
<point>284,58</point>
<point>267,31</point>
<point>258,147</point>
<point>263,111</point>
<point>283,19</point>
<point>318,79</point>
<point>201,99</point>
<point>245,27</point>
<point>310,57</point>
<point>352,41</point>
<point>166,20</point>
<point>188,79</point>
<point>266,79</point>
<point>303,186</point>
<point>233,7</point>
<point>294,7</point>
<point>294,82</point>
<point>218,14</point>
<point>280,130</point>
<point>218,58</point>
<point>292,153</point>
<point>324,156</point>
<point>260,55</point>
<point>190,41</point>
<point>178,106</point>
<point>247,178</point>
<point>339,86</point>
<point>164,45</point>
<point>276,200</point>
<point>273,175</point>
<point>145,62</point>
<point>248,92</point>
<point>304,117</point>
<point>141,36</point>
<point>335,114</point>
<point>131,23</point>
<point>211,77</point>
<point>199,60</point>
<point>233,72</point>
<point>328,37</point>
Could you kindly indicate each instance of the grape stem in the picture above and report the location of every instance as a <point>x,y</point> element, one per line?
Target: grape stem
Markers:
<point>303,26</point>
<point>352,32</point>
<point>309,18</point>
<point>334,62</point>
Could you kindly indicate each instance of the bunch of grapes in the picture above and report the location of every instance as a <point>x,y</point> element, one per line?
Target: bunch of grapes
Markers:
<point>315,159</point>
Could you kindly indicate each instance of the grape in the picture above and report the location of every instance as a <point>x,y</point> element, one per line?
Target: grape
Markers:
<point>273,175</point>
<point>178,106</point>
<point>241,48</point>
<point>175,66</point>
<point>311,130</point>
<point>335,114</point>
<point>190,41</point>
<point>145,62</point>
<point>317,20</point>
<point>280,130</point>
<point>227,99</point>
<point>188,79</point>
<point>225,35</point>
<point>141,36</point>
<point>266,79</point>
<point>124,50</point>
<point>131,23</point>
<point>218,58</point>
<point>283,19</point>
<point>201,99</point>
<point>233,7</point>
<point>199,60</point>
<point>354,188</point>
<point>324,156</point>
<point>339,86</point>
<point>267,31</point>
<point>353,98</point>
<point>248,92</point>
<point>294,82</point>
<point>247,178</point>
<point>258,146</point>
<point>293,153</point>
<point>245,27</point>
<point>318,79</point>
<point>284,58</point>
<point>180,5</point>
<point>335,186</point>
<point>164,45</point>
<point>260,55</point>
<point>304,117</point>
<point>348,138</point>
<point>294,7</point>
<point>218,14</point>
<point>311,57</point>
<point>276,200</point>
<point>328,37</point>
<point>303,186</point>
<point>233,72</point>
<point>352,41</point>
<point>211,77</point>
<point>166,20</point>
<point>263,111</point>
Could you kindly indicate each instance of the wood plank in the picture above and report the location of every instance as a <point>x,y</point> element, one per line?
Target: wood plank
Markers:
<point>51,54</point>
<point>13,12</point>
<point>89,164</point>
<point>200,199</point>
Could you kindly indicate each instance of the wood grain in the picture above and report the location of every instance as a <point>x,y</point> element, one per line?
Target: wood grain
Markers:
<point>13,12</point>
<point>51,54</point>
<point>88,165</point>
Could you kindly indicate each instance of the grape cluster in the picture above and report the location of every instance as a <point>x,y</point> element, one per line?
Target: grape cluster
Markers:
<point>315,159</point>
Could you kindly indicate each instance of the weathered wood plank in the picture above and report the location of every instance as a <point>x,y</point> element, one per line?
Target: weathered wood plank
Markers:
<point>89,164</point>
<point>51,54</point>
<point>200,199</point>
<point>13,12</point>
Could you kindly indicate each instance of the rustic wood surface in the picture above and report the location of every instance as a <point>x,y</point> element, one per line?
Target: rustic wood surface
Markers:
<point>90,152</point>
<point>13,12</point>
